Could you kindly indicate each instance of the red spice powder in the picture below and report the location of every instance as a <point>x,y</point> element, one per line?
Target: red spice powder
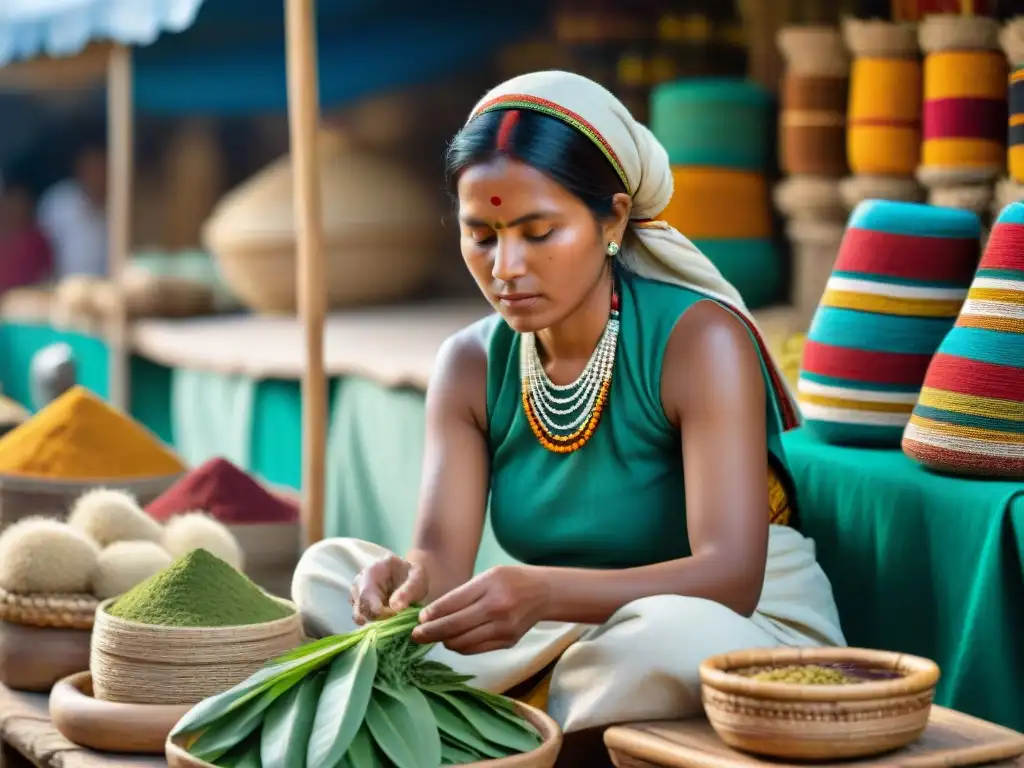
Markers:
<point>225,492</point>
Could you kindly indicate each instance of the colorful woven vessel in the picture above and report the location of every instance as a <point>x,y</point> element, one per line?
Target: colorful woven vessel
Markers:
<point>812,125</point>
<point>969,418</point>
<point>714,122</point>
<point>718,203</point>
<point>897,285</point>
<point>964,119</point>
<point>1015,153</point>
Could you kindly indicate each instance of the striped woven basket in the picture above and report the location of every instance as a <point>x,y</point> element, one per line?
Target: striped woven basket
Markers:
<point>898,282</point>
<point>48,611</point>
<point>969,418</point>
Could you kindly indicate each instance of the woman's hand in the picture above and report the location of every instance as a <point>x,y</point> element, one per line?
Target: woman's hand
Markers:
<point>491,611</point>
<point>387,587</point>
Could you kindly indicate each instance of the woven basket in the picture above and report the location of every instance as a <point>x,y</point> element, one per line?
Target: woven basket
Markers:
<point>145,664</point>
<point>820,723</point>
<point>373,267</point>
<point>22,497</point>
<point>54,611</point>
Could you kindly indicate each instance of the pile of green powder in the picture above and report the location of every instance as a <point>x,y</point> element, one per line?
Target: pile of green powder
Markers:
<point>198,590</point>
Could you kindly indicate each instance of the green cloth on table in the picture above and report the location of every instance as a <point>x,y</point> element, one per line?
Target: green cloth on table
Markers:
<point>374,464</point>
<point>150,383</point>
<point>922,563</point>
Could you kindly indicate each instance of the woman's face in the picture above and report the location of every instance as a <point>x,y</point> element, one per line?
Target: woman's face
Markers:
<point>535,249</point>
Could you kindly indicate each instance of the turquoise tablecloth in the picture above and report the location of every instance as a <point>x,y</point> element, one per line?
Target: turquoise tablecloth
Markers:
<point>922,563</point>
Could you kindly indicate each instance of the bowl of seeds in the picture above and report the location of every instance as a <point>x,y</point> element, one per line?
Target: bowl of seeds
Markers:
<point>819,704</point>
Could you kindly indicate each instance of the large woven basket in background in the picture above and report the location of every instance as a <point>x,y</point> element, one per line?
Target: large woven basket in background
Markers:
<point>381,231</point>
<point>145,664</point>
<point>22,497</point>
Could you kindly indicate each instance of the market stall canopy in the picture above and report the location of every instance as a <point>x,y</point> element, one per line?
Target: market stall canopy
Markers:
<point>31,28</point>
<point>226,57</point>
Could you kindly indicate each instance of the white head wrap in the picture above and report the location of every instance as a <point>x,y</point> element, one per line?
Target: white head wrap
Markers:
<point>652,248</point>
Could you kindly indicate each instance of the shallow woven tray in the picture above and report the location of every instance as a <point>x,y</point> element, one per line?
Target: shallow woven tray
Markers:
<point>56,611</point>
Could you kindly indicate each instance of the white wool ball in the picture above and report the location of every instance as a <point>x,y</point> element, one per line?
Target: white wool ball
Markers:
<point>124,564</point>
<point>198,530</point>
<point>40,555</point>
<point>107,516</point>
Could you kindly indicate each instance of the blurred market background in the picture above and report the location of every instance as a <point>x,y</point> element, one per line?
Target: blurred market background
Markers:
<point>750,99</point>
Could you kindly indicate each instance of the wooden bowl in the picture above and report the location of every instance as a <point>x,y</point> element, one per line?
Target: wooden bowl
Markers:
<point>109,726</point>
<point>543,756</point>
<point>34,658</point>
<point>818,722</point>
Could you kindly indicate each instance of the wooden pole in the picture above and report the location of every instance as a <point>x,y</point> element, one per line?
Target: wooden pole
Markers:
<point>120,157</point>
<point>304,121</point>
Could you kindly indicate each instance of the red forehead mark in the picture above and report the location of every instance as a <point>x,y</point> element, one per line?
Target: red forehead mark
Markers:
<point>496,201</point>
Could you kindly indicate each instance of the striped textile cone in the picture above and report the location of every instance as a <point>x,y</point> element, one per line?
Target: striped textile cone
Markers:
<point>897,285</point>
<point>969,418</point>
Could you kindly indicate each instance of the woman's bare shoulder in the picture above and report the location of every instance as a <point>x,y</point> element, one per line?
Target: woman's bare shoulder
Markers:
<point>459,378</point>
<point>710,344</point>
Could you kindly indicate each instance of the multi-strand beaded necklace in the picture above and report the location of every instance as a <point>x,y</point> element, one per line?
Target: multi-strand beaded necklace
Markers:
<point>563,417</point>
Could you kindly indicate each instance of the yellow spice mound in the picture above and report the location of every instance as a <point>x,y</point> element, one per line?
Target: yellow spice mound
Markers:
<point>80,437</point>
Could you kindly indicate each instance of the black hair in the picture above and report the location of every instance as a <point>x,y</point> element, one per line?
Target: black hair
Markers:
<point>543,142</point>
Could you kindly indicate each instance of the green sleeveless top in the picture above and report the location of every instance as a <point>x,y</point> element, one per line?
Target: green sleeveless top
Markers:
<point>619,501</point>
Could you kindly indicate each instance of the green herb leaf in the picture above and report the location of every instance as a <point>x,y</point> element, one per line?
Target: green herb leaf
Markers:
<point>420,728</point>
<point>455,754</point>
<point>245,755</point>
<point>502,706</point>
<point>294,669</point>
<point>288,724</point>
<point>390,725</point>
<point>489,724</point>
<point>343,704</point>
<point>456,729</point>
<point>363,753</point>
<point>226,734</point>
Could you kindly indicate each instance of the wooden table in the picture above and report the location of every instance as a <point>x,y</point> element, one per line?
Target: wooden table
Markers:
<point>951,739</point>
<point>29,739</point>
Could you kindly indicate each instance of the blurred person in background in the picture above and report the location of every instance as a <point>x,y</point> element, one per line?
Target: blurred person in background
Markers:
<point>25,255</point>
<point>72,214</point>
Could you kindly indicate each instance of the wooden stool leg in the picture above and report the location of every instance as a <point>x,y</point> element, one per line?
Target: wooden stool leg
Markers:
<point>12,758</point>
<point>584,748</point>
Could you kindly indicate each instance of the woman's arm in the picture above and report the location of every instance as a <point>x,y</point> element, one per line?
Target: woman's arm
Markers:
<point>713,388</point>
<point>456,471</point>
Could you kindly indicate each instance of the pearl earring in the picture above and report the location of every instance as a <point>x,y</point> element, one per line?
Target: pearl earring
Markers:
<point>613,248</point>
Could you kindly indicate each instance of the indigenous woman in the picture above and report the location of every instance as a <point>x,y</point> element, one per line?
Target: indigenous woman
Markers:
<point>621,415</point>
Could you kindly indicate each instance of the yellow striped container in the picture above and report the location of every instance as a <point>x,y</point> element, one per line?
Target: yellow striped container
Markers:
<point>716,203</point>
<point>1011,39</point>
<point>964,115</point>
<point>883,135</point>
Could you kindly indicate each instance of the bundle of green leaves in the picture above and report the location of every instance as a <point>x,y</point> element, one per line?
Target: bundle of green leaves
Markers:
<point>366,699</point>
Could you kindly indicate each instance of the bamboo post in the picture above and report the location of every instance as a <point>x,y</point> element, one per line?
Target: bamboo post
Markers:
<point>120,157</point>
<point>303,120</point>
